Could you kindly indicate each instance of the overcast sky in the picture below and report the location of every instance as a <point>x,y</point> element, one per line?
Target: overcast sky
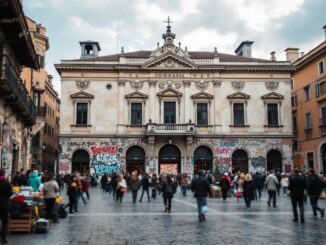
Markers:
<point>200,25</point>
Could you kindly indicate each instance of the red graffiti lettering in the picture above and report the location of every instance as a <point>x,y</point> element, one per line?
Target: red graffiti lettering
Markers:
<point>104,149</point>
<point>223,150</point>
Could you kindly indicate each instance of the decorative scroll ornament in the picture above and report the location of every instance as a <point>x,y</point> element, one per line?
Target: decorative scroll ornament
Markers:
<point>202,85</point>
<point>217,83</point>
<point>82,84</point>
<point>186,83</point>
<point>152,83</point>
<point>136,85</point>
<point>238,85</point>
<point>121,83</point>
<point>271,85</point>
<point>169,84</point>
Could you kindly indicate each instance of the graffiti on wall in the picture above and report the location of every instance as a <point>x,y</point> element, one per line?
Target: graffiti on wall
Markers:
<point>151,166</point>
<point>224,164</point>
<point>7,150</point>
<point>259,164</point>
<point>64,166</point>
<point>189,167</point>
<point>106,159</point>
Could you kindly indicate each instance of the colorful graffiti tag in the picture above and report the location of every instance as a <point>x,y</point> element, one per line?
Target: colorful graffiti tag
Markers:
<point>258,164</point>
<point>106,159</point>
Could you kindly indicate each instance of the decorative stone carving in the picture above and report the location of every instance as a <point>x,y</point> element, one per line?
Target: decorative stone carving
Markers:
<point>202,85</point>
<point>136,85</point>
<point>82,84</point>
<point>152,83</point>
<point>186,83</point>
<point>169,84</point>
<point>217,83</point>
<point>271,85</point>
<point>121,83</point>
<point>238,85</point>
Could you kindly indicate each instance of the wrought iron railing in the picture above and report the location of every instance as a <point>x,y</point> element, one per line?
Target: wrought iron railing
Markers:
<point>170,128</point>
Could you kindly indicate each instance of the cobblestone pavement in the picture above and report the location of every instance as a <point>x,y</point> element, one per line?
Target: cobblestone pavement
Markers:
<point>100,221</point>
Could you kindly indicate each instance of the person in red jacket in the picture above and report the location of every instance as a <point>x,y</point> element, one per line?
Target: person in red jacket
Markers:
<point>85,185</point>
<point>225,185</point>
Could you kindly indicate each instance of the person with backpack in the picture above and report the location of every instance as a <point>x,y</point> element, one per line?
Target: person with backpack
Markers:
<point>201,188</point>
<point>297,185</point>
<point>225,185</point>
<point>5,194</point>
<point>169,187</point>
<point>314,188</point>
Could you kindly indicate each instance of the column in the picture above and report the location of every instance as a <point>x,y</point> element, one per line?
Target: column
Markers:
<point>152,100</point>
<point>187,103</point>
<point>216,120</point>
<point>121,106</point>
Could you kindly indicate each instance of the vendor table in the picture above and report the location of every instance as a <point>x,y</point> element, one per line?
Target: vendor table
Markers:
<point>25,223</point>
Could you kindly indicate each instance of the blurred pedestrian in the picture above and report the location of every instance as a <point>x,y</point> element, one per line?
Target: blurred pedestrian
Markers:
<point>225,185</point>
<point>271,185</point>
<point>248,190</point>
<point>121,189</point>
<point>169,187</point>
<point>314,188</point>
<point>50,190</point>
<point>5,194</point>
<point>145,185</point>
<point>134,186</point>
<point>297,185</point>
<point>259,183</point>
<point>285,184</point>
<point>184,184</point>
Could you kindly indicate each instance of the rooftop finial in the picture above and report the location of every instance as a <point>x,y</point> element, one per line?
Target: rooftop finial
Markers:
<point>122,50</point>
<point>168,28</point>
<point>168,36</point>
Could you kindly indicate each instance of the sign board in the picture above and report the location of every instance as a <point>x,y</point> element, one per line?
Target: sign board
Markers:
<point>169,168</point>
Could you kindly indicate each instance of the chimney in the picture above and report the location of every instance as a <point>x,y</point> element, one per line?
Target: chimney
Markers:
<point>324,27</point>
<point>273,58</point>
<point>244,49</point>
<point>89,49</point>
<point>292,54</point>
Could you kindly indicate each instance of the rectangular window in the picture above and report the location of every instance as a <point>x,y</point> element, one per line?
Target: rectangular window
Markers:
<point>82,111</point>
<point>36,99</point>
<point>136,114</point>
<point>238,114</point>
<point>320,88</point>
<point>323,116</point>
<point>36,140</point>
<point>317,90</point>
<point>306,93</point>
<point>310,159</point>
<point>294,145</point>
<point>294,100</point>
<point>272,112</point>
<point>169,112</point>
<point>308,121</point>
<point>45,128</point>
<point>321,67</point>
<point>202,115</point>
<point>295,125</point>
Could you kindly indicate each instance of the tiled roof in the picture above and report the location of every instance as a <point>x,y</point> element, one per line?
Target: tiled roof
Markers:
<point>193,55</point>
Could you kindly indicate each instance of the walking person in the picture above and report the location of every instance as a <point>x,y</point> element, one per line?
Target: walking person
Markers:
<point>259,183</point>
<point>134,186</point>
<point>184,184</point>
<point>297,185</point>
<point>271,185</point>
<point>50,190</point>
<point>72,192</point>
<point>114,184</point>
<point>285,183</point>
<point>145,184</point>
<point>104,181</point>
<point>154,185</point>
<point>5,194</point>
<point>169,187</point>
<point>248,190</point>
<point>121,189</point>
<point>34,181</point>
<point>240,186</point>
<point>314,188</point>
<point>201,189</point>
<point>225,185</point>
<point>85,186</point>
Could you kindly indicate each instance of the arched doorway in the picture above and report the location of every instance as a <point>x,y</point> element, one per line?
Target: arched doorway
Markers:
<point>239,161</point>
<point>135,159</point>
<point>169,159</point>
<point>323,157</point>
<point>80,161</point>
<point>203,159</point>
<point>274,160</point>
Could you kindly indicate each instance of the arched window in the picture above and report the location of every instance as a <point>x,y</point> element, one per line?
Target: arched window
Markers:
<point>203,159</point>
<point>274,160</point>
<point>135,159</point>
<point>239,161</point>
<point>80,161</point>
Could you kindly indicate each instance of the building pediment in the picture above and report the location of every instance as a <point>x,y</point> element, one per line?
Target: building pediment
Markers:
<point>238,96</point>
<point>82,95</point>
<point>272,96</point>
<point>136,96</point>
<point>202,96</point>
<point>169,92</point>
<point>169,60</point>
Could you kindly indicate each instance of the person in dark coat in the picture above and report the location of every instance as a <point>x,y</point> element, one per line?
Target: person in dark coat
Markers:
<point>5,194</point>
<point>259,182</point>
<point>169,187</point>
<point>201,188</point>
<point>225,185</point>
<point>297,185</point>
<point>314,188</point>
<point>248,190</point>
<point>145,184</point>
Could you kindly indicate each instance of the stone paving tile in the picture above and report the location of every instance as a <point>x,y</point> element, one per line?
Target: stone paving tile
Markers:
<point>100,221</point>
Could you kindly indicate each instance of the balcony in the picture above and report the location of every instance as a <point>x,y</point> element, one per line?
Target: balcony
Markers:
<point>14,92</point>
<point>171,129</point>
<point>322,126</point>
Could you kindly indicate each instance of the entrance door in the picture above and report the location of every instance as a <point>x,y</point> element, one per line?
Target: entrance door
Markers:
<point>80,161</point>
<point>203,159</point>
<point>169,112</point>
<point>135,159</point>
<point>169,159</point>
<point>274,161</point>
<point>239,161</point>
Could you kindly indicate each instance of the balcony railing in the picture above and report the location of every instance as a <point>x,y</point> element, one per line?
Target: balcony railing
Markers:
<point>15,86</point>
<point>322,126</point>
<point>167,128</point>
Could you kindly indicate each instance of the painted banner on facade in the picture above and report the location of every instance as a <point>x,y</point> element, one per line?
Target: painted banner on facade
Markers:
<point>168,168</point>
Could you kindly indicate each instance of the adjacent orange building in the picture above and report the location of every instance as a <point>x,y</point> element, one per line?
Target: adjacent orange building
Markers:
<point>309,107</point>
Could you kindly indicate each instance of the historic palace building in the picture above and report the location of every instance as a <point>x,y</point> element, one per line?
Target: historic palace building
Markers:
<point>174,110</point>
<point>309,108</point>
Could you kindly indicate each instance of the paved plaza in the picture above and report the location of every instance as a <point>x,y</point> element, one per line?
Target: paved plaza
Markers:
<point>100,221</point>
